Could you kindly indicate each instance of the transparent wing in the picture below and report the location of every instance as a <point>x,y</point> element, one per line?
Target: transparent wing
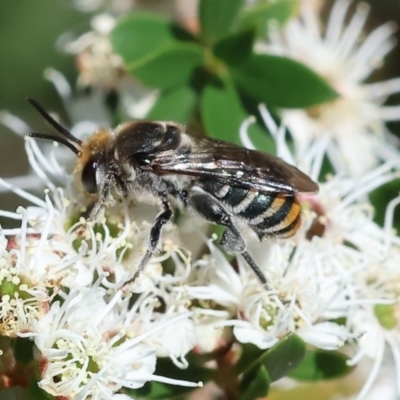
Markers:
<point>233,165</point>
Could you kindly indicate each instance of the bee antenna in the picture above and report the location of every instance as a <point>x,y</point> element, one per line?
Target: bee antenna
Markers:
<point>58,140</point>
<point>54,124</point>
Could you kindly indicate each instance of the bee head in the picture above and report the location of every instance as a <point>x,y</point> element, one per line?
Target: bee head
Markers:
<point>90,155</point>
<point>92,162</point>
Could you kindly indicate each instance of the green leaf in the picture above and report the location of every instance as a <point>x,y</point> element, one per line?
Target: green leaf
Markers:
<point>157,390</point>
<point>286,355</point>
<point>279,360</point>
<point>176,104</point>
<point>235,48</point>
<point>320,365</point>
<point>250,352</point>
<point>168,67</point>
<point>217,17</point>
<point>34,392</point>
<point>222,114</point>
<point>158,52</point>
<point>281,82</point>
<point>259,15</point>
<point>386,314</point>
<point>140,34</point>
<point>23,350</point>
<point>255,384</point>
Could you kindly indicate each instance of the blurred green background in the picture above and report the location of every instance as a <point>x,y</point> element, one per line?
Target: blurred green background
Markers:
<point>29,30</point>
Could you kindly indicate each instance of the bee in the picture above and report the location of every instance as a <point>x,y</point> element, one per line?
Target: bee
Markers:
<point>225,184</point>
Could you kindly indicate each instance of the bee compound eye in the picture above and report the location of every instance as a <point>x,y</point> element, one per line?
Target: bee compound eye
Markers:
<point>89,177</point>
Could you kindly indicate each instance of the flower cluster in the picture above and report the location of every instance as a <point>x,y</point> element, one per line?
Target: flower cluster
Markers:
<point>65,281</point>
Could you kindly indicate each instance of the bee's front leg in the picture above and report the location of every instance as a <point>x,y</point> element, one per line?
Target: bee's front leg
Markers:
<point>232,241</point>
<point>155,232</point>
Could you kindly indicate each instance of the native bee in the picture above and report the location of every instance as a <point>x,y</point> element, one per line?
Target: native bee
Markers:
<point>223,183</point>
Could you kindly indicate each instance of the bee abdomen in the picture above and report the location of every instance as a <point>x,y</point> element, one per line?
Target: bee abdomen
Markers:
<point>282,218</point>
<point>271,215</point>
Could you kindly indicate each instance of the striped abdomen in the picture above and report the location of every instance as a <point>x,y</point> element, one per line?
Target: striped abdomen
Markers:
<point>272,214</point>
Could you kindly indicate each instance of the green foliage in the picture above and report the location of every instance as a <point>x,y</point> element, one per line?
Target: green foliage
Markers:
<point>168,67</point>
<point>255,384</point>
<point>260,368</point>
<point>281,82</point>
<point>175,104</point>
<point>216,77</point>
<point>283,357</point>
<point>23,350</point>
<point>157,390</point>
<point>321,364</point>
<point>222,111</point>
<point>217,17</point>
<point>235,48</point>
<point>263,12</point>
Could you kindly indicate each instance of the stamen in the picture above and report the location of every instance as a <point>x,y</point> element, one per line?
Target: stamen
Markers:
<point>374,371</point>
<point>60,83</point>
<point>22,193</point>
<point>244,134</point>
<point>34,164</point>
<point>336,21</point>
<point>353,31</point>
<point>44,234</point>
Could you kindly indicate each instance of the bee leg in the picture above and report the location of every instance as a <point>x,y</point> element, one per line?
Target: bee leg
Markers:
<point>232,241</point>
<point>103,200</point>
<point>155,232</point>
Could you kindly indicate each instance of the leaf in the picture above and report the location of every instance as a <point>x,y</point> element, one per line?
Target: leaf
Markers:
<point>168,67</point>
<point>255,384</point>
<point>153,390</point>
<point>23,350</point>
<point>285,356</point>
<point>158,52</point>
<point>217,17</point>
<point>279,360</point>
<point>140,34</point>
<point>259,15</point>
<point>31,392</point>
<point>222,114</point>
<point>157,390</point>
<point>281,82</point>
<point>176,104</point>
<point>321,364</point>
<point>235,48</point>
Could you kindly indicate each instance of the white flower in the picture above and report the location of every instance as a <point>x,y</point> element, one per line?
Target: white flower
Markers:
<point>103,70</point>
<point>85,352</point>
<point>30,267</point>
<point>352,261</point>
<point>356,120</point>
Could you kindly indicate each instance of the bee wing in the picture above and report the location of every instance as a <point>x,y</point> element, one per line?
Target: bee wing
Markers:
<point>233,165</point>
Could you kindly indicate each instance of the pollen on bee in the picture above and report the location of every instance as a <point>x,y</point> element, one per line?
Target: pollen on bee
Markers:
<point>94,146</point>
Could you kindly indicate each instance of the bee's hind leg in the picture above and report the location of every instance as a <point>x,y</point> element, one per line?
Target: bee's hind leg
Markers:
<point>232,241</point>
